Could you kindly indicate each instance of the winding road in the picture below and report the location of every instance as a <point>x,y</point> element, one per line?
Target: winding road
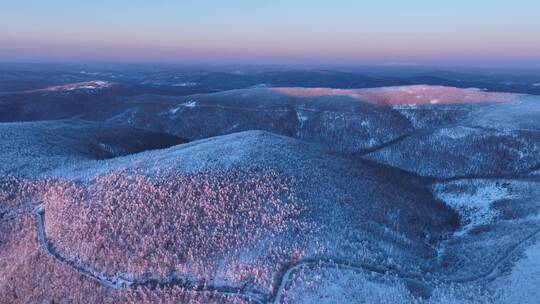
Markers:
<point>282,282</point>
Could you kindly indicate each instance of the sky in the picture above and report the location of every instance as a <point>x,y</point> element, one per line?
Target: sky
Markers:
<point>400,32</point>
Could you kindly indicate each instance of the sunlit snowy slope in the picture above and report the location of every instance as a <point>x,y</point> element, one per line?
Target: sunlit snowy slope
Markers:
<point>407,194</point>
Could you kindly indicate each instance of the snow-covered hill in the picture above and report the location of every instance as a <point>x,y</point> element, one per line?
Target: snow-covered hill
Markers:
<point>30,149</point>
<point>417,194</point>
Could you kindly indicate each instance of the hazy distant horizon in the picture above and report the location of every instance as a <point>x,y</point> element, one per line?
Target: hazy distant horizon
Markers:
<point>214,65</point>
<point>458,33</point>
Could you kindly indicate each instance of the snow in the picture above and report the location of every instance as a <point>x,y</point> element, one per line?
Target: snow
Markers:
<point>90,73</point>
<point>90,85</point>
<point>33,148</point>
<point>459,132</point>
<point>302,118</point>
<point>185,84</point>
<point>473,203</point>
<point>336,229</point>
<point>535,173</point>
<point>190,105</point>
<point>521,285</point>
<point>334,285</point>
<point>175,109</point>
<point>290,200</point>
<point>403,95</point>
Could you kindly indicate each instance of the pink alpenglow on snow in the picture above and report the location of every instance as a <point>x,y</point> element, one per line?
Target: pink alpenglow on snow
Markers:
<point>406,95</point>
